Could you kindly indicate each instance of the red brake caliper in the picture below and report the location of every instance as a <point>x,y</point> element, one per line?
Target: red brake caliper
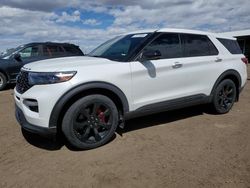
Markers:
<point>101,115</point>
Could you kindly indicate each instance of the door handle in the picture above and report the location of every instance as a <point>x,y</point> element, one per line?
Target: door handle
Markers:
<point>218,59</point>
<point>177,65</point>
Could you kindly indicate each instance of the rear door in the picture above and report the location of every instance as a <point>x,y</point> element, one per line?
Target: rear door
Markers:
<point>201,63</point>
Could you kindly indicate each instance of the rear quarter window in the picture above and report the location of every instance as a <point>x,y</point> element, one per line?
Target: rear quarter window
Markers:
<point>70,50</point>
<point>231,45</point>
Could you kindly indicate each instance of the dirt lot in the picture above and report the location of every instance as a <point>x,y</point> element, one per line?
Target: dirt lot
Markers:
<point>184,148</point>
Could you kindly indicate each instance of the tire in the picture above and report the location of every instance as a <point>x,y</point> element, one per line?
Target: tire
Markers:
<point>3,81</point>
<point>224,96</point>
<point>90,122</point>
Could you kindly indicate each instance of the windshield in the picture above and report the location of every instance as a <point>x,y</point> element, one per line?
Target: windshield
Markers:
<point>10,52</point>
<point>119,48</point>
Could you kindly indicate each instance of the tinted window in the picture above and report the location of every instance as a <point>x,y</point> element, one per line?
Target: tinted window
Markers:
<point>241,44</point>
<point>52,50</point>
<point>29,52</point>
<point>168,45</point>
<point>198,45</point>
<point>231,45</point>
<point>71,50</point>
<point>120,48</point>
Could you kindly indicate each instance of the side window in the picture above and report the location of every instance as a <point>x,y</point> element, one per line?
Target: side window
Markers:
<point>231,45</point>
<point>52,50</point>
<point>168,44</point>
<point>198,45</point>
<point>241,44</point>
<point>29,52</point>
<point>72,50</point>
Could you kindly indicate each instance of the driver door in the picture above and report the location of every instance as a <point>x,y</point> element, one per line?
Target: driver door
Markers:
<point>160,79</point>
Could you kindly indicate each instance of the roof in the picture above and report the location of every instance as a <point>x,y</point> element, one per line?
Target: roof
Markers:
<point>39,43</point>
<point>174,30</point>
<point>240,33</point>
<point>190,31</point>
<point>141,31</point>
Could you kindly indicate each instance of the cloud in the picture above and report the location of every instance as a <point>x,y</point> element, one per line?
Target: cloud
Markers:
<point>65,17</point>
<point>218,15</point>
<point>85,23</point>
<point>44,5</point>
<point>91,22</point>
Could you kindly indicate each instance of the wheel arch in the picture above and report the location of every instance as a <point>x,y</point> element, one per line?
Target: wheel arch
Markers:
<point>5,74</point>
<point>103,88</point>
<point>232,75</point>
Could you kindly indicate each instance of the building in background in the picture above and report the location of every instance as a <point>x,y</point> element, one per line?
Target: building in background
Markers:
<point>243,38</point>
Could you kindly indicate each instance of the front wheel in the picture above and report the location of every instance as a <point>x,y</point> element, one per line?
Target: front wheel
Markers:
<point>90,122</point>
<point>224,96</point>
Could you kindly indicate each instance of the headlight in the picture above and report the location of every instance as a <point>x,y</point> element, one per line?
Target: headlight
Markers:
<point>39,78</point>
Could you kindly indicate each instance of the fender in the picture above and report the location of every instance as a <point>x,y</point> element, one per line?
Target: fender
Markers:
<point>5,73</point>
<point>60,104</point>
<point>228,74</point>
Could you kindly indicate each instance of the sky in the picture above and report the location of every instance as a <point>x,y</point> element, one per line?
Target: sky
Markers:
<point>88,23</point>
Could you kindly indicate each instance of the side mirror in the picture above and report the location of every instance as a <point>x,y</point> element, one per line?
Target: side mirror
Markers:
<point>17,57</point>
<point>150,55</point>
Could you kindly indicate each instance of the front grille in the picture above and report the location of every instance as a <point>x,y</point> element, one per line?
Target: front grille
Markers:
<point>22,82</point>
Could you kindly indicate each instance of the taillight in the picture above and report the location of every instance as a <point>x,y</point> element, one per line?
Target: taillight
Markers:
<point>244,60</point>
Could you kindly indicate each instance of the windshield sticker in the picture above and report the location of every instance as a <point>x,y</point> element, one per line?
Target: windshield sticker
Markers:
<point>139,36</point>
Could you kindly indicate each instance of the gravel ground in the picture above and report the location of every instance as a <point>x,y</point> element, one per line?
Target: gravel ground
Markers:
<point>183,148</point>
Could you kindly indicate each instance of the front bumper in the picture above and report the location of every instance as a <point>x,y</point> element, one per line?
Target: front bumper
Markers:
<point>33,128</point>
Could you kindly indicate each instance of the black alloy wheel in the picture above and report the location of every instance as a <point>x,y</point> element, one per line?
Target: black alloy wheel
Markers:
<point>225,96</point>
<point>90,122</point>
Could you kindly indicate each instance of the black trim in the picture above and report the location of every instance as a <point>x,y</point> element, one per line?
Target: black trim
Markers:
<point>33,128</point>
<point>155,35</point>
<point>241,89</point>
<point>12,81</point>
<point>137,53</point>
<point>226,74</point>
<point>80,89</point>
<point>168,105</point>
<point>134,55</point>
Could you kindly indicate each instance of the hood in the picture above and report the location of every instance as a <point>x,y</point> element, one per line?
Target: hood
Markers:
<point>65,64</point>
<point>3,60</point>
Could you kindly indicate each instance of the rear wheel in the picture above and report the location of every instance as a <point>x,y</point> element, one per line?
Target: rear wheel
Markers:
<point>3,81</point>
<point>224,96</point>
<point>90,122</point>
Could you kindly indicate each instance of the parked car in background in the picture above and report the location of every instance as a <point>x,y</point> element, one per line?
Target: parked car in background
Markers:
<point>11,62</point>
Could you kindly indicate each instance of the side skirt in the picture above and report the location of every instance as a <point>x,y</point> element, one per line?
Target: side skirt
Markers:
<point>168,105</point>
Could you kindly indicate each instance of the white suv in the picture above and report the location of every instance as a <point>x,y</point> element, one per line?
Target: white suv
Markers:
<point>130,75</point>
